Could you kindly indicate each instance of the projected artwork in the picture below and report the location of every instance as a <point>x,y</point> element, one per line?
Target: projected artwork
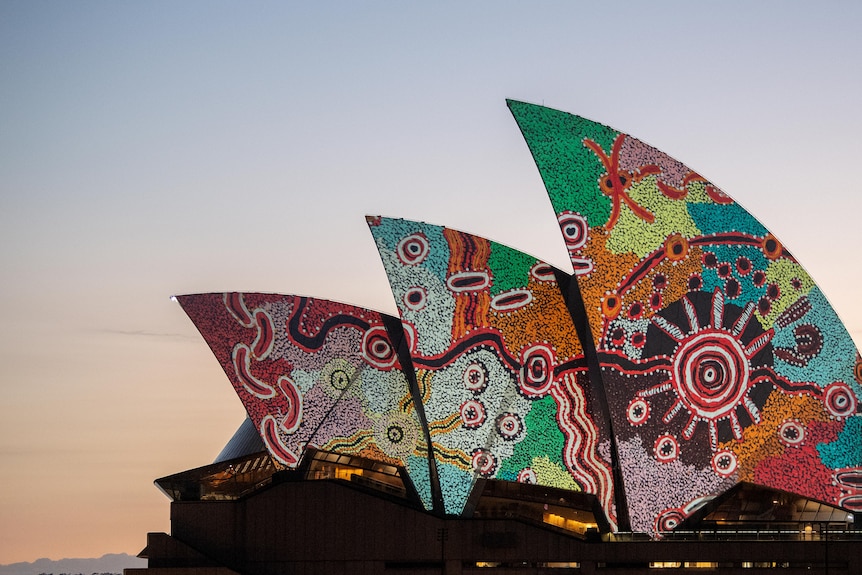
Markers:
<point>721,359</point>
<point>709,356</point>
<point>500,367</point>
<point>314,372</point>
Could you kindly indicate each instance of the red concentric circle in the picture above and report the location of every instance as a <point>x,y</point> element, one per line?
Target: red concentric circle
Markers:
<point>415,298</point>
<point>376,348</point>
<point>475,377</point>
<point>669,519</point>
<point>638,411</point>
<point>724,463</point>
<point>711,373</point>
<point>537,370</point>
<point>527,475</point>
<point>666,448</point>
<point>575,230</point>
<point>472,413</point>
<point>509,426</point>
<point>413,249</point>
<point>483,461</point>
<point>839,399</point>
<point>791,433</point>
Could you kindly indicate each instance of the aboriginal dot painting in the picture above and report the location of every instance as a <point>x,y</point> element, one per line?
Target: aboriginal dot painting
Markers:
<point>720,358</point>
<point>318,373</point>
<point>499,365</point>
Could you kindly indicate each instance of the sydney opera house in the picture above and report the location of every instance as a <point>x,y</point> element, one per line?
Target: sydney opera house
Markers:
<point>686,400</point>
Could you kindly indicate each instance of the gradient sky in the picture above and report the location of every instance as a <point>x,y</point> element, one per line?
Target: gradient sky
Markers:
<point>157,148</point>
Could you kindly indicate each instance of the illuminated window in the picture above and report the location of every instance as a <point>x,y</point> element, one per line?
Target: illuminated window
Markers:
<point>568,524</point>
<point>685,564</point>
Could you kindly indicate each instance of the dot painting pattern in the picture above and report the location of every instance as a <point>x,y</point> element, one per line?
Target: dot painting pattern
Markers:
<point>314,372</point>
<point>499,342</point>
<point>721,359</point>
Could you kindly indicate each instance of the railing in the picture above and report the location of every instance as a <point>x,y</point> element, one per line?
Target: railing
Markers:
<point>815,534</point>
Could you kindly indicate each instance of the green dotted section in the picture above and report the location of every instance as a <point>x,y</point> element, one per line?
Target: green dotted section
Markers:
<point>569,169</point>
<point>510,268</point>
<point>632,234</point>
<point>543,437</point>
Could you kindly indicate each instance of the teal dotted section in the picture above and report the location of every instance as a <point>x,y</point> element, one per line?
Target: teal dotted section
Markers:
<point>838,357</point>
<point>456,485</point>
<point>570,170</point>
<point>390,231</point>
<point>716,218</point>
<point>846,451</point>
<point>509,267</point>
<point>730,254</point>
<point>544,438</point>
<point>419,475</point>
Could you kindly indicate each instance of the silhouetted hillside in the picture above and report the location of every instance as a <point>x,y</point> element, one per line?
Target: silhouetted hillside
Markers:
<point>106,564</point>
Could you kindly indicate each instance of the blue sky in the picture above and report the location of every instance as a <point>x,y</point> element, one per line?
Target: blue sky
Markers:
<point>154,148</point>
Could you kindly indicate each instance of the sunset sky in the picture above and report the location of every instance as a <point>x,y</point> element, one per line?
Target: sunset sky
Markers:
<point>158,148</point>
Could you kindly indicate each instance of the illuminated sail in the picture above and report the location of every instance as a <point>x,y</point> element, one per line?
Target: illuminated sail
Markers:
<point>721,359</point>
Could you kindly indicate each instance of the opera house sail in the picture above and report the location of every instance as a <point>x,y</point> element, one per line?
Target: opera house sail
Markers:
<point>689,362</point>
<point>721,358</point>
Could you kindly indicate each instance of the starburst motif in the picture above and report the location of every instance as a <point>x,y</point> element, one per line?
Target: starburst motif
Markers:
<point>710,369</point>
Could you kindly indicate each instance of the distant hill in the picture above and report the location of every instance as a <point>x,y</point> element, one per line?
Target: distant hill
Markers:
<point>109,563</point>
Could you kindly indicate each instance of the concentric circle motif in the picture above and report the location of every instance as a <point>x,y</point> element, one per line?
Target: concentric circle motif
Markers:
<point>376,348</point>
<point>611,305</point>
<point>724,463</point>
<point>666,448</point>
<point>509,426</point>
<point>413,249</point>
<point>791,433</point>
<point>537,371</point>
<point>771,247</point>
<point>839,399</point>
<point>676,247</point>
<point>473,413</point>
<point>415,298</point>
<point>339,379</point>
<point>575,230</point>
<point>475,377</point>
<point>336,376</point>
<point>711,373</point>
<point>483,461</point>
<point>669,519</point>
<point>527,475</point>
<point>857,369</point>
<point>637,411</point>
<point>395,433</point>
